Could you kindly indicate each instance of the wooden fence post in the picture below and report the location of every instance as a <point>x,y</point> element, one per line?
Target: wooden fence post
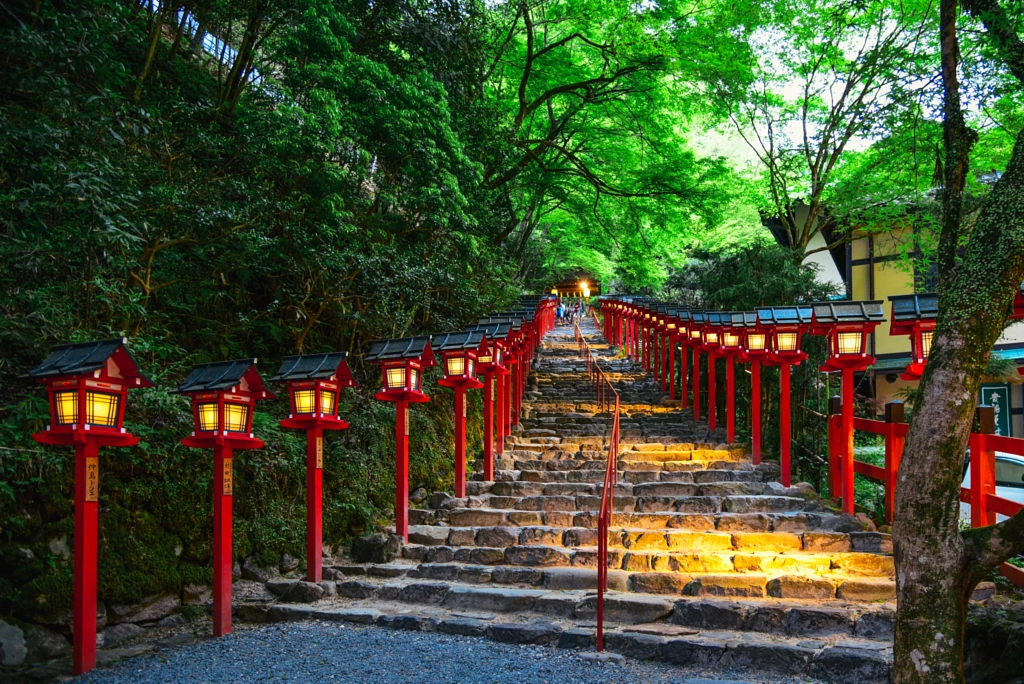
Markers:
<point>983,466</point>
<point>893,453</point>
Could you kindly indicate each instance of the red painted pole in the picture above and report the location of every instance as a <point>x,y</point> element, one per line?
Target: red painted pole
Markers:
<point>730,400</point>
<point>684,380</point>
<point>499,425</point>
<point>671,369</point>
<point>785,435</point>
<point>696,383</point>
<point>460,442</point>
<point>755,410</point>
<point>489,427</point>
<point>847,456</point>
<point>402,469</point>
<point>517,393</point>
<point>223,487</point>
<point>86,519</point>
<point>507,418</point>
<point>314,504</point>
<point>712,394</point>
<point>664,362</point>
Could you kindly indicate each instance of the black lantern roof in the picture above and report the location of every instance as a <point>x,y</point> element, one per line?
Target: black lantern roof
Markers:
<point>699,317</point>
<point>685,315</point>
<point>494,331</point>
<point>914,307</point>
<point>314,367</point>
<point>785,315</point>
<point>827,313</point>
<point>719,318</point>
<point>744,319</point>
<point>222,375</point>
<point>86,358</point>
<point>525,314</point>
<point>402,349</point>
<point>514,321</point>
<point>456,341</point>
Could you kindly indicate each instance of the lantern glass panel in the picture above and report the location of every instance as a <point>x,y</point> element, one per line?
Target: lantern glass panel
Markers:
<point>415,379</point>
<point>755,341</point>
<point>456,365</point>
<point>712,338</point>
<point>328,402</point>
<point>731,340</point>
<point>486,358</point>
<point>305,401</point>
<point>671,326</point>
<point>695,334</point>
<point>236,418</point>
<point>66,407</point>
<point>395,377</point>
<point>101,408</point>
<point>849,342</point>
<point>472,368</point>
<point>926,343</point>
<point>497,357</point>
<point>207,413</point>
<point>786,341</point>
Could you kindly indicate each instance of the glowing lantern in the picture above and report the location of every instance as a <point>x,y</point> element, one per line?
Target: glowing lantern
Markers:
<point>88,387</point>
<point>402,363</point>
<point>846,326</point>
<point>224,395</point>
<point>459,352</point>
<point>915,316</point>
<point>314,382</point>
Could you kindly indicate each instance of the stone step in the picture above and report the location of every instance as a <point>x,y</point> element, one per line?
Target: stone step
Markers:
<point>850,589</point>
<point>823,523</point>
<point>640,539</point>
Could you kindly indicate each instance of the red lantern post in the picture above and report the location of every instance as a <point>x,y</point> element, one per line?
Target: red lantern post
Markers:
<point>915,316</point>
<point>711,344</point>
<point>786,324</point>
<point>224,396</point>
<point>699,318</point>
<point>459,357</point>
<point>402,363</point>
<point>87,385</point>
<point>314,384</point>
<point>734,326</point>
<point>756,351</point>
<point>846,326</point>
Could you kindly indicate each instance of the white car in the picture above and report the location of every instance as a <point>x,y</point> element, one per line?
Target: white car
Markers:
<point>1009,482</point>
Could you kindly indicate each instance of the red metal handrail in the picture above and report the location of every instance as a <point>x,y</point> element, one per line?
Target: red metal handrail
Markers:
<point>607,398</point>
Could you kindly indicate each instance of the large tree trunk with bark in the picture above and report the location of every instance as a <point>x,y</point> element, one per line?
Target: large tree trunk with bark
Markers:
<point>938,566</point>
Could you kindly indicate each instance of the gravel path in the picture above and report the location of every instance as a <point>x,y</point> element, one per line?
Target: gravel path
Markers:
<point>321,651</point>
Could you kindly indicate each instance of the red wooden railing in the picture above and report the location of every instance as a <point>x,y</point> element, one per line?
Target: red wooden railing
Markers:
<point>607,400</point>
<point>983,445</point>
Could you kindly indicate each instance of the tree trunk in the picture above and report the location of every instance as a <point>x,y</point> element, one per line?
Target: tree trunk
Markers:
<point>937,565</point>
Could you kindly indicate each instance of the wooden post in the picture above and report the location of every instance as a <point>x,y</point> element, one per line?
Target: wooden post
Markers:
<point>755,410</point>
<point>730,400</point>
<point>847,443</point>
<point>314,504</point>
<point>489,427</point>
<point>87,473</point>
<point>712,403</point>
<point>460,442</point>
<point>402,469</point>
<point>835,407</point>
<point>785,433</point>
<point>983,468</point>
<point>684,380</point>
<point>893,453</point>
<point>499,414</point>
<point>223,488</point>
<point>696,383</point>
<point>671,368</point>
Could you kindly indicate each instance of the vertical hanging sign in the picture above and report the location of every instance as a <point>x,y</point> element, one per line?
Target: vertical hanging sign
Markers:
<point>92,478</point>
<point>227,474</point>
<point>319,453</point>
<point>407,421</point>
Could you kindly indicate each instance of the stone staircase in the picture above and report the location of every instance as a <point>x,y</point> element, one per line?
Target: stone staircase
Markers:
<point>713,562</point>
